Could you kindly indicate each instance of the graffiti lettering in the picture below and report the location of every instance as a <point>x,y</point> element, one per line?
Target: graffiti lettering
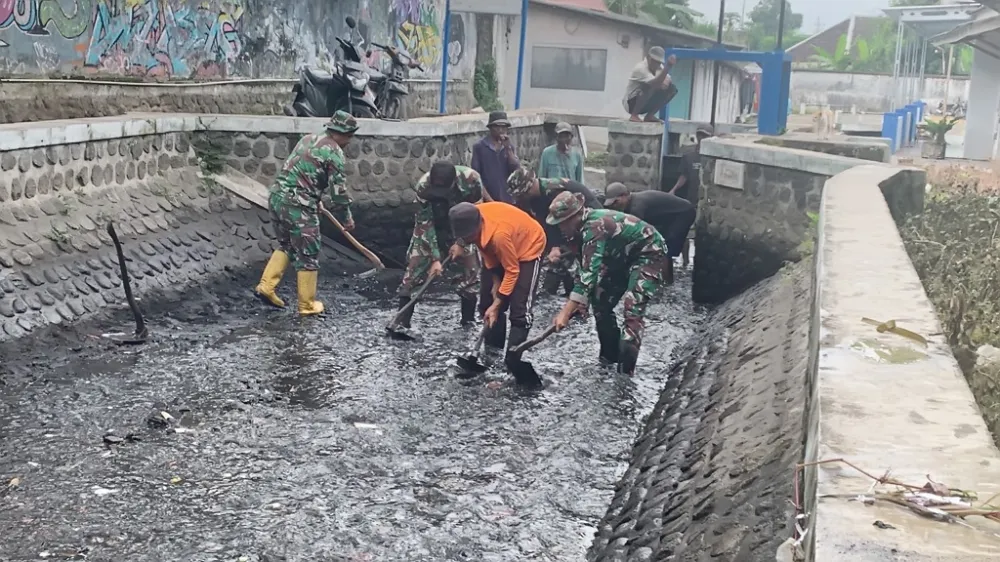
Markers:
<point>152,38</point>
<point>34,16</point>
<point>419,32</point>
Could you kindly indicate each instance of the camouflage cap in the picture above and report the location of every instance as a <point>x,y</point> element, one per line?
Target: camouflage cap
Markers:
<point>564,206</point>
<point>519,181</point>
<point>342,122</point>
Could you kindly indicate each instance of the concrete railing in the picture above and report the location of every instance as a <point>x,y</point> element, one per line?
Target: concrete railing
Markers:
<point>882,401</point>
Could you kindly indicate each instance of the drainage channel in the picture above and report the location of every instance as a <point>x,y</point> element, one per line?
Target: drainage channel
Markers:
<point>240,433</point>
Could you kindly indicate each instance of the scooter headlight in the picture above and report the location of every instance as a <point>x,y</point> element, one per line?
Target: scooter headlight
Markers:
<point>359,82</point>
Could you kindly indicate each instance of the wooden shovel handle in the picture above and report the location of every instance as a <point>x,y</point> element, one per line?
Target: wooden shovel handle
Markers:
<point>534,341</point>
<point>416,296</point>
<point>354,242</point>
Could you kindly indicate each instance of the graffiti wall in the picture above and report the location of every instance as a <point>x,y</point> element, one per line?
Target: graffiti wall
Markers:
<point>207,39</point>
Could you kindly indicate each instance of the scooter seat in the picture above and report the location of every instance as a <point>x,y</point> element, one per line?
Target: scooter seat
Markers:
<point>318,77</point>
<point>356,66</point>
<point>375,75</point>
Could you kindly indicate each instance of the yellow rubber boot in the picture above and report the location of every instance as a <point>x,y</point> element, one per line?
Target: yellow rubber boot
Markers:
<point>308,305</point>
<point>273,271</point>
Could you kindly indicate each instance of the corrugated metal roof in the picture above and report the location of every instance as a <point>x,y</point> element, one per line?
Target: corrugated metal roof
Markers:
<point>595,5</point>
<point>679,37</point>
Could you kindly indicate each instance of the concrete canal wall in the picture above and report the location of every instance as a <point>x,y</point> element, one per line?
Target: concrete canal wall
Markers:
<point>798,244</point>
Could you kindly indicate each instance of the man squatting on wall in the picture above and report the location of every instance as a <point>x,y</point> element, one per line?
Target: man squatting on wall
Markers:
<point>315,164</point>
<point>443,187</point>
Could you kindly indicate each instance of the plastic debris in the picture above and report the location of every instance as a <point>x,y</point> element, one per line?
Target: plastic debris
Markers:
<point>101,492</point>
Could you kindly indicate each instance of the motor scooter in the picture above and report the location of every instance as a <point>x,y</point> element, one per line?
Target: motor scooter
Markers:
<point>391,91</point>
<point>348,88</point>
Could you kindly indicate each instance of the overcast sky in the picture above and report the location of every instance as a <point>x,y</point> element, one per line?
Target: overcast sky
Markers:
<point>826,12</point>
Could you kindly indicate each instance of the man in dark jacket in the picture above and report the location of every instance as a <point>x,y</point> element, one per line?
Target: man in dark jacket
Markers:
<point>534,195</point>
<point>672,216</point>
<point>688,183</point>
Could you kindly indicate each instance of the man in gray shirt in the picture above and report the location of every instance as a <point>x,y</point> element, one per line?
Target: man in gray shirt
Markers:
<point>649,86</point>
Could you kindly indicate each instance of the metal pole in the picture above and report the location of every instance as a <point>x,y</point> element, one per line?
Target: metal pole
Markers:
<point>905,78</point>
<point>947,76</point>
<point>923,71</point>
<point>520,52</point>
<point>896,69</point>
<point>715,67</point>
<point>781,24</point>
<point>442,107</point>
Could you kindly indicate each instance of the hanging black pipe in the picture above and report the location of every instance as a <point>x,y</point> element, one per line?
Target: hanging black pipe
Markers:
<point>715,68</point>
<point>781,24</point>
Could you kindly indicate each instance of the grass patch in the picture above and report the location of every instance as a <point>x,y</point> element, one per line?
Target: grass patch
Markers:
<point>954,245</point>
<point>596,160</point>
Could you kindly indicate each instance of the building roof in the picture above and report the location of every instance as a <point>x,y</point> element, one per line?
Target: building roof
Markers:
<point>671,36</point>
<point>854,27</point>
<point>595,5</point>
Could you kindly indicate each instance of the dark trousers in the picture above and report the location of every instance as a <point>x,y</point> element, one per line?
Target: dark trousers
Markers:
<point>520,305</point>
<point>651,100</point>
<point>675,232</point>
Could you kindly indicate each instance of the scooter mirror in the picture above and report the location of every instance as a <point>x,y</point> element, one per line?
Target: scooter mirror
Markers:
<point>350,22</point>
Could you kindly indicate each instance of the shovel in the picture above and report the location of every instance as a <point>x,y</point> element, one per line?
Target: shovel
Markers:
<point>395,332</point>
<point>470,362</point>
<point>358,245</point>
<point>141,332</point>
<point>523,371</point>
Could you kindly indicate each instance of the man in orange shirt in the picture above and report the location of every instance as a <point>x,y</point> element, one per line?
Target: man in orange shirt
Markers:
<point>511,243</point>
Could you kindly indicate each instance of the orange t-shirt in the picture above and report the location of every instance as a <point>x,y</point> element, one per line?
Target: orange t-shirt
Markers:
<point>508,236</point>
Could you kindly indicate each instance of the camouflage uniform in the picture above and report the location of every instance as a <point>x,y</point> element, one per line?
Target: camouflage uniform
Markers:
<point>562,271</point>
<point>432,237</point>
<point>621,259</point>
<point>315,164</point>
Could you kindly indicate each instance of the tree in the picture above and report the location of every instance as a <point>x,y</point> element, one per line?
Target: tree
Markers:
<point>765,14</point>
<point>675,13</point>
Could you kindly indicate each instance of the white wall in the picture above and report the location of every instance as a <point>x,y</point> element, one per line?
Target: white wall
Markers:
<point>551,27</point>
<point>869,92</point>
<point>984,101</point>
<point>727,107</point>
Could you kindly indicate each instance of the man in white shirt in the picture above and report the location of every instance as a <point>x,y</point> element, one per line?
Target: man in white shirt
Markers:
<point>649,86</point>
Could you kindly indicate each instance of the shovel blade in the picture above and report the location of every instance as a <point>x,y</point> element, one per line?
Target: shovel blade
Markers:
<point>399,334</point>
<point>470,364</point>
<point>524,373</point>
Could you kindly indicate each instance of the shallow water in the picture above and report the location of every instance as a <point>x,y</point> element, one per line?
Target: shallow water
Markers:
<point>315,439</point>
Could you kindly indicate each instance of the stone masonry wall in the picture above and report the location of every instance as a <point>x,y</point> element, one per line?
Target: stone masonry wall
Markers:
<point>634,154</point>
<point>42,101</point>
<point>381,171</point>
<point>751,231</point>
<point>745,233</point>
<point>873,151</point>
<point>57,262</point>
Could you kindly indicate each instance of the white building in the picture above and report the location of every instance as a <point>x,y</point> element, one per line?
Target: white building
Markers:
<point>579,60</point>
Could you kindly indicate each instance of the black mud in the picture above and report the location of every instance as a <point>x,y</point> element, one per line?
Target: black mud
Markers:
<point>313,439</point>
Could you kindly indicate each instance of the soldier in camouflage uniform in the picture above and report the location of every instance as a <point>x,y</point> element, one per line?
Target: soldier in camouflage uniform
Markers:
<point>440,189</point>
<point>315,165</point>
<point>534,195</point>
<point>622,258</point>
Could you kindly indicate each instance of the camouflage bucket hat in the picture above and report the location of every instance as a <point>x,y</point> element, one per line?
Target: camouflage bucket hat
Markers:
<point>342,122</point>
<point>564,206</point>
<point>519,181</point>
